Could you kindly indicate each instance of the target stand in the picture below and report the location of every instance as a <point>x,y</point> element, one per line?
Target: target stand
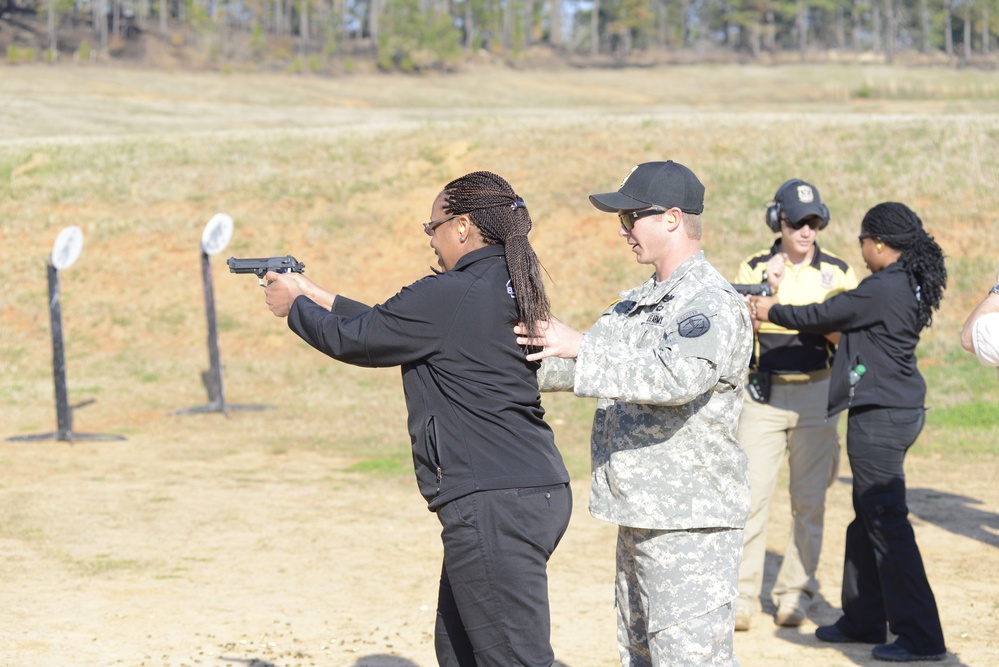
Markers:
<point>62,258</point>
<point>214,239</point>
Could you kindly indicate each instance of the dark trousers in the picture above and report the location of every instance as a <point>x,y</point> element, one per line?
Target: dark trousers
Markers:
<point>492,609</point>
<point>883,575</point>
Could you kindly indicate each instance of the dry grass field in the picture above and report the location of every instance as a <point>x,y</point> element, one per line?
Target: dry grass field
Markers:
<point>295,536</point>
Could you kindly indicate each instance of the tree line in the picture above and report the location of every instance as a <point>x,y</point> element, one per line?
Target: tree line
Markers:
<point>419,34</point>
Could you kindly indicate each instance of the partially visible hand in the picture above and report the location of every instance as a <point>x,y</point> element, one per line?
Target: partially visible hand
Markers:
<point>752,312</point>
<point>760,307</point>
<point>555,339</point>
<point>282,290</point>
<point>775,269</point>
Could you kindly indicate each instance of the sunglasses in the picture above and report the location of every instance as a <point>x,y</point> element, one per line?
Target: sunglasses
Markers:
<point>814,223</point>
<point>861,237</point>
<point>629,219</point>
<point>429,227</point>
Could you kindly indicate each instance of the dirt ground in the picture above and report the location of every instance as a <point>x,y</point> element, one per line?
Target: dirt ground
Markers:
<point>184,549</point>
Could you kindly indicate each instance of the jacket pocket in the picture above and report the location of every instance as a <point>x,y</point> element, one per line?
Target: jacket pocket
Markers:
<point>433,450</point>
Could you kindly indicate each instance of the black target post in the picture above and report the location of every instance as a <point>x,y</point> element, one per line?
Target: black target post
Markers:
<point>64,411</point>
<point>215,238</point>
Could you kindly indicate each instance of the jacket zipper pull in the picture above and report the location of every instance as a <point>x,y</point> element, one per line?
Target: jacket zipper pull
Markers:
<point>440,474</point>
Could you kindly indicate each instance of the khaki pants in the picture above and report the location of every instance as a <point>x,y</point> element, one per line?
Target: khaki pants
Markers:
<point>794,421</point>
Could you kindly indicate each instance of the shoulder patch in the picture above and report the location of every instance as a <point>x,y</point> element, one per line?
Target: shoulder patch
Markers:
<point>624,307</point>
<point>692,325</point>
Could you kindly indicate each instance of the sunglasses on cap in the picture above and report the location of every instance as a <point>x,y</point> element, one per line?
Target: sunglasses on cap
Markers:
<point>812,222</point>
<point>628,219</point>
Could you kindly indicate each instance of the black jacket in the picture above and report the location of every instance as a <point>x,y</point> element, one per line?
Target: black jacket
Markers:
<point>475,416</point>
<point>879,324</point>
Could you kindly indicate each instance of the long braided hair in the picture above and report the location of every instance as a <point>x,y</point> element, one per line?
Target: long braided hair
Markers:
<point>502,217</point>
<point>898,227</point>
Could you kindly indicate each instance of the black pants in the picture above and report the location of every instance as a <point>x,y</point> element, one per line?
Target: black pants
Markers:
<point>492,609</point>
<point>883,575</point>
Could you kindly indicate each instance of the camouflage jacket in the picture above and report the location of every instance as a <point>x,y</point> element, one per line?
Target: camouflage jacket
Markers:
<point>667,363</point>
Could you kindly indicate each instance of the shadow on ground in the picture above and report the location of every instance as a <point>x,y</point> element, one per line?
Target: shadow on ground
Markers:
<point>955,513</point>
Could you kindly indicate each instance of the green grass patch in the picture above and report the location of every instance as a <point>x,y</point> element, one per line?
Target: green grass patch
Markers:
<point>382,467</point>
<point>973,416</point>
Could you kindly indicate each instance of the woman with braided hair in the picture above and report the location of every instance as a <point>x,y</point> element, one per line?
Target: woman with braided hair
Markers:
<point>875,377</point>
<point>485,459</point>
<point>501,217</point>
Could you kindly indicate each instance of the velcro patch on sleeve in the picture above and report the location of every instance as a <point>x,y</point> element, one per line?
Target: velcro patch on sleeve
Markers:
<point>693,325</point>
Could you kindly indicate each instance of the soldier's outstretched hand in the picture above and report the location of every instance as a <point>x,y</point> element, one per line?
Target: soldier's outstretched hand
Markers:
<point>555,338</point>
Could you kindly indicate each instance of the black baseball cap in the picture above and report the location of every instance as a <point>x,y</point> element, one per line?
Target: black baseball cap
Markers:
<point>664,184</point>
<point>799,200</point>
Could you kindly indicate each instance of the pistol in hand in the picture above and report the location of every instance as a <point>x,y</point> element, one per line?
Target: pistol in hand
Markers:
<point>259,266</point>
<point>754,289</point>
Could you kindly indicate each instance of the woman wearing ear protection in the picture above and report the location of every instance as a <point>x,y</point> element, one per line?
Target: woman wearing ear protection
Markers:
<point>875,377</point>
<point>785,406</point>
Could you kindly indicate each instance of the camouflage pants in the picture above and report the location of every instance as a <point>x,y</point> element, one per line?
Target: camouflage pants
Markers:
<point>675,596</point>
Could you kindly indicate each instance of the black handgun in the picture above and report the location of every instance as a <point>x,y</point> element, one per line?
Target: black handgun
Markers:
<point>259,266</point>
<point>754,289</point>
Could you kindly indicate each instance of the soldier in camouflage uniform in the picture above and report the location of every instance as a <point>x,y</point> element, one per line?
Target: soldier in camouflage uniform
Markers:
<point>667,363</point>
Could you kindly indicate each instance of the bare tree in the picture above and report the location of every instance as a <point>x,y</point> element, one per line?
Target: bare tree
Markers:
<point>855,15</point>
<point>967,31</point>
<point>595,29</point>
<point>891,31</point>
<point>374,9</point>
<point>948,28</point>
<point>53,38</point>
<point>924,21</point>
<point>303,26</point>
<point>469,25</point>
<point>508,25</point>
<point>801,25</point>
<point>985,29</point>
<point>101,21</point>
<point>555,23</point>
<point>662,23</point>
<point>876,29</point>
<point>770,30</point>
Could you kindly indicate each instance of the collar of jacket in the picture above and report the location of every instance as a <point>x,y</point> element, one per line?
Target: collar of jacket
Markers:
<point>816,262</point>
<point>497,249</point>
<point>650,292</point>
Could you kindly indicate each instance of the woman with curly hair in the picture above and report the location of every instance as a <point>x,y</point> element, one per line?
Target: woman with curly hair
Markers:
<point>485,459</point>
<point>876,379</point>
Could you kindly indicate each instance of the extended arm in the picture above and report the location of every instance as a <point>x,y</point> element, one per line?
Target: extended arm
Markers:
<point>283,288</point>
<point>990,304</point>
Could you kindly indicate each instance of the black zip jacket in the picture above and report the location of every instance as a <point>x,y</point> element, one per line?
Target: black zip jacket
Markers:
<point>475,416</point>
<point>879,324</point>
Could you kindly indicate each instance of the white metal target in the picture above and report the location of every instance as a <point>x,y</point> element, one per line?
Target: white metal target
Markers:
<point>217,234</point>
<point>67,247</point>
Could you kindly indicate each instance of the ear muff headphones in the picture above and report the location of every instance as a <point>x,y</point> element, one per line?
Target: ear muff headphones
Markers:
<point>774,209</point>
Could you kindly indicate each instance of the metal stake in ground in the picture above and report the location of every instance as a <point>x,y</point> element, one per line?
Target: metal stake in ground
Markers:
<point>214,239</point>
<point>65,251</point>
